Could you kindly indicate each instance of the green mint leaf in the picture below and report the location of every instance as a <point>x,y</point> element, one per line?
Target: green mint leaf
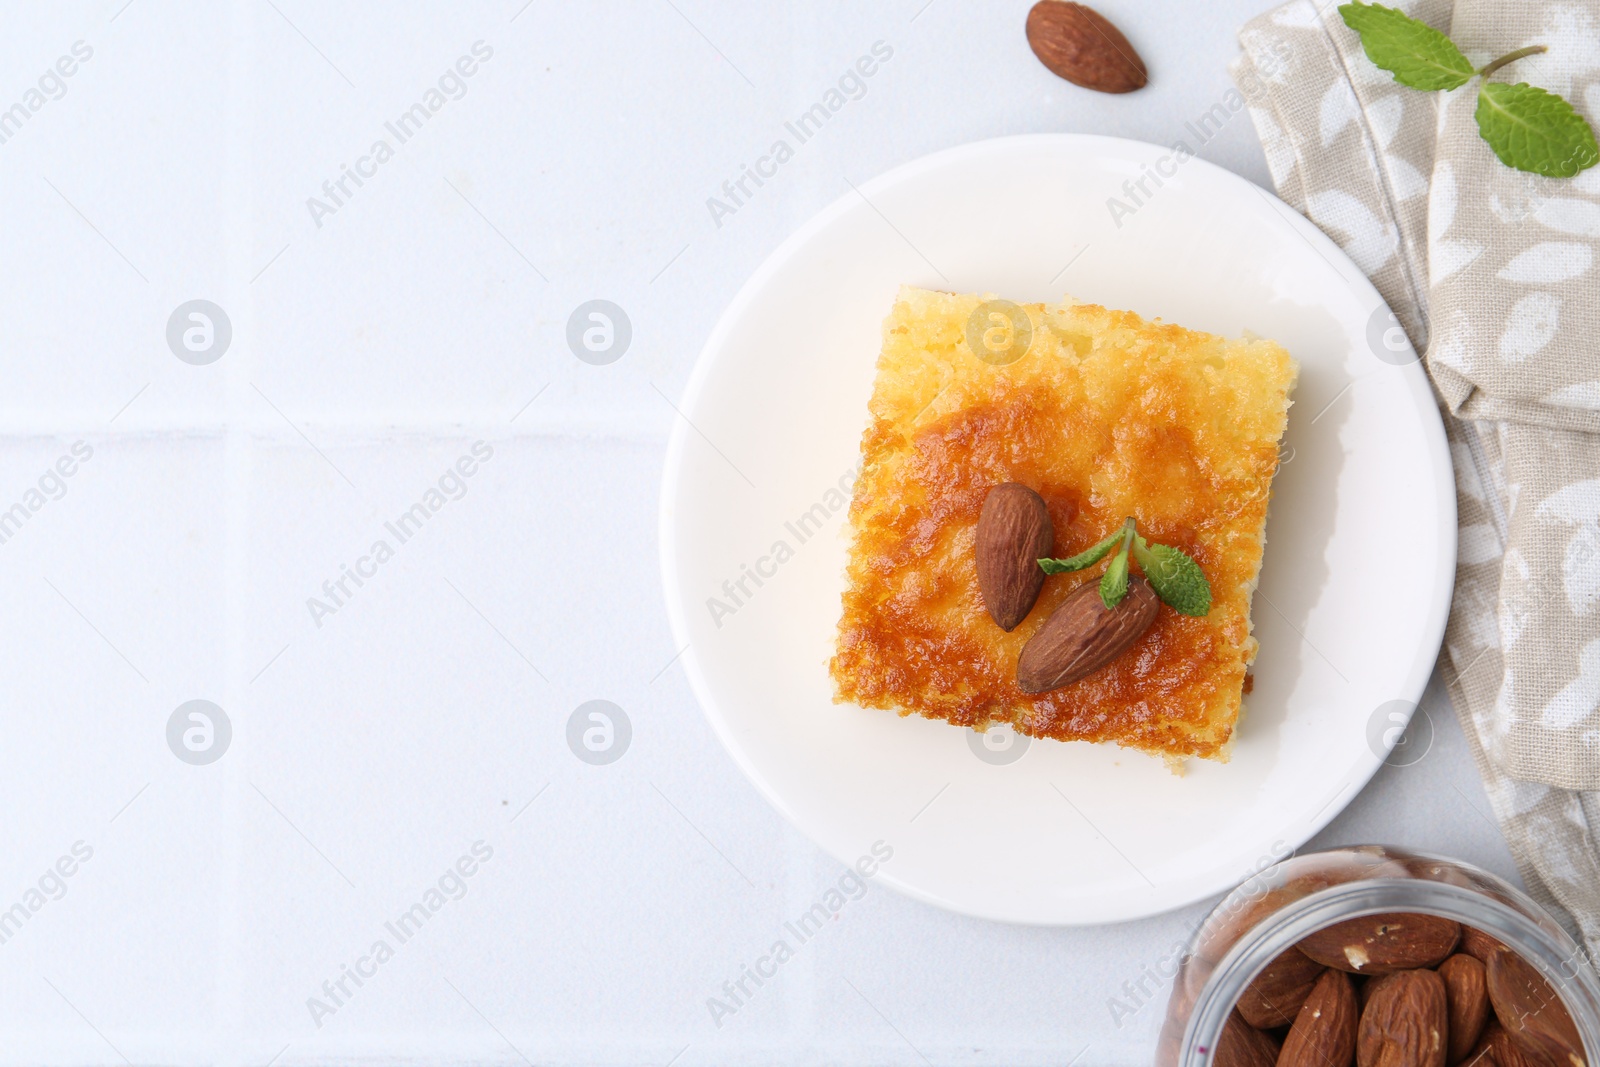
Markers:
<point>1114,582</point>
<point>1175,576</point>
<point>1087,558</point>
<point>1534,130</point>
<point>1414,52</point>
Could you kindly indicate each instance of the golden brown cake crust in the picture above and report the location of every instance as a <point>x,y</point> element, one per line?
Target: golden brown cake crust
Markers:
<point>1106,416</point>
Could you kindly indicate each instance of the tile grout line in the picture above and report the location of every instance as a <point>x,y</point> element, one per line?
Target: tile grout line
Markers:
<point>238,468</point>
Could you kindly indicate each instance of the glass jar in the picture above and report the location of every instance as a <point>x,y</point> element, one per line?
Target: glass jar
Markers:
<point>1284,903</point>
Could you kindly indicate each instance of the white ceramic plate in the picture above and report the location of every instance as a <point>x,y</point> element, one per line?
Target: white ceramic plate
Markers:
<point>1354,592</point>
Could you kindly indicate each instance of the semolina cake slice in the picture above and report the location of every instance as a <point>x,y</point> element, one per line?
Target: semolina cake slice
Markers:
<point>1106,416</point>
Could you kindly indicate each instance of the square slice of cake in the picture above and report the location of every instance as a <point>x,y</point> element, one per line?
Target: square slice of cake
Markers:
<point>1106,416</point>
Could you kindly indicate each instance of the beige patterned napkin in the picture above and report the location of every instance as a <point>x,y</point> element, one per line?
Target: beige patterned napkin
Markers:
<point>1492,273</point>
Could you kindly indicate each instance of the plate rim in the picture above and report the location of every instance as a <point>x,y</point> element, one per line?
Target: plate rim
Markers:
<point>1412,374</point>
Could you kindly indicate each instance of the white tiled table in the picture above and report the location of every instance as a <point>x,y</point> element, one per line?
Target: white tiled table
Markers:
<point>428,312</point>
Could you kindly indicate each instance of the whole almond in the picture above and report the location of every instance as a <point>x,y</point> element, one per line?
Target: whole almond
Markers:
<point>1081,635</point>
<point>1466,995</point>
<point>1241,1045</point>
<point>1079,44</point>
<point>1405,1023</point>
<point>1530,1011</point>
<point>1014,533</point>
<point>1378,944</point>
<point>1274,996</point>
<point>1324,1031</point>
<point>1477,944</point>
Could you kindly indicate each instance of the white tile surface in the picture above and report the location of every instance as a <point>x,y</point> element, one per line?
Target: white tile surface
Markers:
<point>372,751</point>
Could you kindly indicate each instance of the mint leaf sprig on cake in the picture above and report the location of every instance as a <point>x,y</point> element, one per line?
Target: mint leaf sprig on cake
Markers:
<point>1174,575</point>
<point>1529,128</point>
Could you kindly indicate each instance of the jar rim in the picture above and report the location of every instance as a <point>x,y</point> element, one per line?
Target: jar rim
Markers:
<point>1562,962</point>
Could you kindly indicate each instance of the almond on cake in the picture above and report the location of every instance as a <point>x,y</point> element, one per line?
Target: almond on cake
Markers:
<point>1107,417</point>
